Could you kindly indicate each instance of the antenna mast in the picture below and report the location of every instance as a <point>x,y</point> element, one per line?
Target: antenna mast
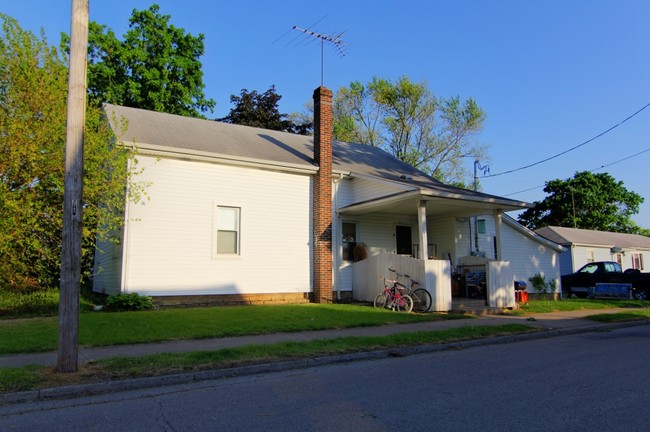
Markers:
<point>333,39</point>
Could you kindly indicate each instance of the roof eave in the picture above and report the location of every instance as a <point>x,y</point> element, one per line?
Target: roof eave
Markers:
<point>196,155</point>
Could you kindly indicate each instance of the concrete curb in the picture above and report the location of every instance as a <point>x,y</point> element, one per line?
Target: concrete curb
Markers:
<point>69,392</point>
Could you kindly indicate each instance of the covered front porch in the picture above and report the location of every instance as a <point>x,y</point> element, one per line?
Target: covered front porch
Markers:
<point>434,275</point>
<point>431,236</point>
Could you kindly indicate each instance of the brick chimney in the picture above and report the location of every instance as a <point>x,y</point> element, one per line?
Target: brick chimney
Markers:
<point>323,196</point>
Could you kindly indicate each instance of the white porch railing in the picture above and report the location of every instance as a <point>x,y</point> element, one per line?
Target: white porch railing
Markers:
<point>500,284</point>
<point>432,275</point>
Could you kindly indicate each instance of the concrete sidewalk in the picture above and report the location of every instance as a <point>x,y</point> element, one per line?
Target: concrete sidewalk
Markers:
<point>572,321</point>
<point>551,324</point>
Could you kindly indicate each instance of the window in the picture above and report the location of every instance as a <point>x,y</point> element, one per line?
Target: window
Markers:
<point>480,226</point>
<point>589,268</point>
<point>619,259</point>
<point>349,237</point>
<point>637,261</point>
<point>227,230</point>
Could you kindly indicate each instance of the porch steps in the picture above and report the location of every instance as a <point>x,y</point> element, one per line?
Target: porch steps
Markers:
<point>474,307</point>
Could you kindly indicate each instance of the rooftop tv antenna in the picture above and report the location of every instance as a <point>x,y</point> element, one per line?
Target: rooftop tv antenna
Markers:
<point>334,40</point>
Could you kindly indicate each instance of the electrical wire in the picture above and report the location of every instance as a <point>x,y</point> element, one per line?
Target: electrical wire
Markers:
<point>591,170</point>
<point>572,148</point>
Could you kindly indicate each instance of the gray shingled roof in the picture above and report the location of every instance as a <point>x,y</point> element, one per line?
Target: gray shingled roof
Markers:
<point>567,236</point>
<point>148,129</point>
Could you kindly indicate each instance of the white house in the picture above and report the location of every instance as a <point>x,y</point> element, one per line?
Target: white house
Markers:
<point>246,215</point>
<point>583,246</point>
<point>528,252</point>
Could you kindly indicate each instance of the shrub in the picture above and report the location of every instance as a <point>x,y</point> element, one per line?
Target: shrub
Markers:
<point>39,302</point>
<point>128,302</point>
<point>23,303</point>
<point>541,286</point>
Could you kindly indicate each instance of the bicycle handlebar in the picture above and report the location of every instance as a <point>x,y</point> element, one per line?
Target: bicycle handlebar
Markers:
<point>413,281</point>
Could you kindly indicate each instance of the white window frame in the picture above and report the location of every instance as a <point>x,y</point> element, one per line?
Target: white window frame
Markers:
<point>637,261</point>
<point>619,259</point>
<point>218,227</point>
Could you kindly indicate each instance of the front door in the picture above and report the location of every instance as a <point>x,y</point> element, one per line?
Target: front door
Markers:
<point>403,241</point>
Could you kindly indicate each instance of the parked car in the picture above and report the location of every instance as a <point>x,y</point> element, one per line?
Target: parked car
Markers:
<point>605,272</point>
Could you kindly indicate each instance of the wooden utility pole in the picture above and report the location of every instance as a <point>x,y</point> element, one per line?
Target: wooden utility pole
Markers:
<point>68,352</point>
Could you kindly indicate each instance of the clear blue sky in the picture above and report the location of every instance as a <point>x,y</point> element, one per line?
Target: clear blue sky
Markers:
<point>549,74</point>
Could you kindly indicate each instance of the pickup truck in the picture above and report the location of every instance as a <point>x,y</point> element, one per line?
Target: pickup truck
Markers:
<point>605,272</point>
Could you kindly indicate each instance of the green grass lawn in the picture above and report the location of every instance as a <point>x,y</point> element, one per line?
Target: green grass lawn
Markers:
<point>634,315</point>
<point>30,377</point>
<point>102,328</point>
<point>546,306</point>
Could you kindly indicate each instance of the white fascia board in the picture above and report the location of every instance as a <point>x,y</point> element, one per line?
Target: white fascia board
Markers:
<point>589,245</point>
<point>177,153</point>
<point>511,205</point>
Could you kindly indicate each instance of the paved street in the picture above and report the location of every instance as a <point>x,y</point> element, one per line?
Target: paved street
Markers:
<point>585,382</point>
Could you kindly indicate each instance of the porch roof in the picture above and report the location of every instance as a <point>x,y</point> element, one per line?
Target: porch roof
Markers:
<point>440,201</point>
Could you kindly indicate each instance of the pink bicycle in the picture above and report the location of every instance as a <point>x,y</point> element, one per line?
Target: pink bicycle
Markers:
<point>393,297</point>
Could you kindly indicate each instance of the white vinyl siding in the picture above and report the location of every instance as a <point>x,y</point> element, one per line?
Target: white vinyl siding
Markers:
<point>566,261</point>
<point>171,236</point>
<point>464,238</point>
<point>528,257</point>
<point>357,190</point>
<point>440,232</point>
<point>107,273</point>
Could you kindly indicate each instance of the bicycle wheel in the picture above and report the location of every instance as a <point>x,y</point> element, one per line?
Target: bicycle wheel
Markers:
<point>421,300</point>
<point>381,300</point>
<point>404,304</point>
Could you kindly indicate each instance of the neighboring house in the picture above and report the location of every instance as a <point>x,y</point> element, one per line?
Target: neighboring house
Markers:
<point>583,246</point>
<point>245,215</point>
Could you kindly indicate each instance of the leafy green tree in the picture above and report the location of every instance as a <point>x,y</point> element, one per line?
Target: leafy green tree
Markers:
<point>588,201</point>
<point>405,119</point>
<point>261,110</point>
<point>33,92</point>
<point>155,66</point>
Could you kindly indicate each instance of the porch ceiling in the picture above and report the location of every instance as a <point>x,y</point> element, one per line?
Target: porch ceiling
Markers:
<point>437,204</point>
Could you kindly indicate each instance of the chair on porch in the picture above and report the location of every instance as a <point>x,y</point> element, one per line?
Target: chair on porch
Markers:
<point>474,285</point>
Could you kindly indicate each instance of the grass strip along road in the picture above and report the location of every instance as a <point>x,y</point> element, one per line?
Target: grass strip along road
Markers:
<point>102,329</point>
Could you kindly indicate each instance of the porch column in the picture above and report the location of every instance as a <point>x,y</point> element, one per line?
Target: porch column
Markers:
<point>497,228</point>
<point>422,227</point>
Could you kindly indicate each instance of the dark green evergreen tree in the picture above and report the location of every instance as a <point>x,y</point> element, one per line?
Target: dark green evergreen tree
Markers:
<point>261,110</point>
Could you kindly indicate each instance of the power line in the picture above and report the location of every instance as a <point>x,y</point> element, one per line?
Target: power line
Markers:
<point>594,169</point>
<point>572,148</point>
